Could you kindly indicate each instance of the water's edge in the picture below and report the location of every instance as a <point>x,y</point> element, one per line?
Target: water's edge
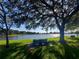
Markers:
<point>37,36</point>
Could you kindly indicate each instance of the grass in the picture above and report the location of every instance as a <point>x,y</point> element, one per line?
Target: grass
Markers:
<point>12,35</point>
<point>19,50</point>
<point>23,42</point>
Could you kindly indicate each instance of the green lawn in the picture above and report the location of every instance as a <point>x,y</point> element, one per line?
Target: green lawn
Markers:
<point>22,42</point>
<point>19,49</point>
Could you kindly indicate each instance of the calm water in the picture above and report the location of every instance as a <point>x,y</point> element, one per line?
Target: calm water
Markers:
<point>34,36</point>
<point>37,36</point>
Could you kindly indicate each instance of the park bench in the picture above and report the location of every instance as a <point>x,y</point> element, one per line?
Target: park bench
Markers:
<point>39,42</point>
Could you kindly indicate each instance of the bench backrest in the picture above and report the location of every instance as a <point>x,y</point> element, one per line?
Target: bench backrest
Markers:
<point>40,41</point>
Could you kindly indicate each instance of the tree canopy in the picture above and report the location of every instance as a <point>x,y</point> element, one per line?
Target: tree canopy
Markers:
<point>45,13</point>
<point>74,24</point>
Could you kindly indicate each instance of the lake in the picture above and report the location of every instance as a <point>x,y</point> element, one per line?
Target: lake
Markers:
<point>37,36</point>
<point>34,36</point>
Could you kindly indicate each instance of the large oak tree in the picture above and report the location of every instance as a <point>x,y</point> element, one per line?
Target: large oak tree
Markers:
<point>58,13</point>
<point>44,13</point>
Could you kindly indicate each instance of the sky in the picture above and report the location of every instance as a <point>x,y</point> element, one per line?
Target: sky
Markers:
<point>22,28</point>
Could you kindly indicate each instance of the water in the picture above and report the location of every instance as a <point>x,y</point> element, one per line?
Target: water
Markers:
<point>37,36</point>
<point>34,36</point>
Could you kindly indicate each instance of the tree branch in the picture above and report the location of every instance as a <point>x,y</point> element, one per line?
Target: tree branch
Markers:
<point>10,25</point>
<point>73,12</point>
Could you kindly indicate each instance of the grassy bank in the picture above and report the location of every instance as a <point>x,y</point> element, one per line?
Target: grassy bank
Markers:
<point>19,50</point>
<point>22,42</point>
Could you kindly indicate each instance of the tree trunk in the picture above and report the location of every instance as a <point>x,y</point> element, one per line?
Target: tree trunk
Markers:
<point>7,39</point>
<point>62,35</point>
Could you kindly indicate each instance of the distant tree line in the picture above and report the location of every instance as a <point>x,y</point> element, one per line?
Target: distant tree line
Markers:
<point>17,32</point>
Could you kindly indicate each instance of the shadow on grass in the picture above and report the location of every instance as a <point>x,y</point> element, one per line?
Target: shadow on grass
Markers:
<point>56,51</point>
<point>14,52</point>
<point>73,40</point>
<point>70,52</point>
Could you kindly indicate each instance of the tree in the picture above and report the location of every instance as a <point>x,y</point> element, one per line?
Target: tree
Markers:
<point>5,21</point>
<point>45,13</point>
<point>55,12</point>
<point>13,12</point>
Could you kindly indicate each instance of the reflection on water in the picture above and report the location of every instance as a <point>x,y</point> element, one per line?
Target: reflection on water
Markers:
<point>34,36</point>
<point>37,36</point>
